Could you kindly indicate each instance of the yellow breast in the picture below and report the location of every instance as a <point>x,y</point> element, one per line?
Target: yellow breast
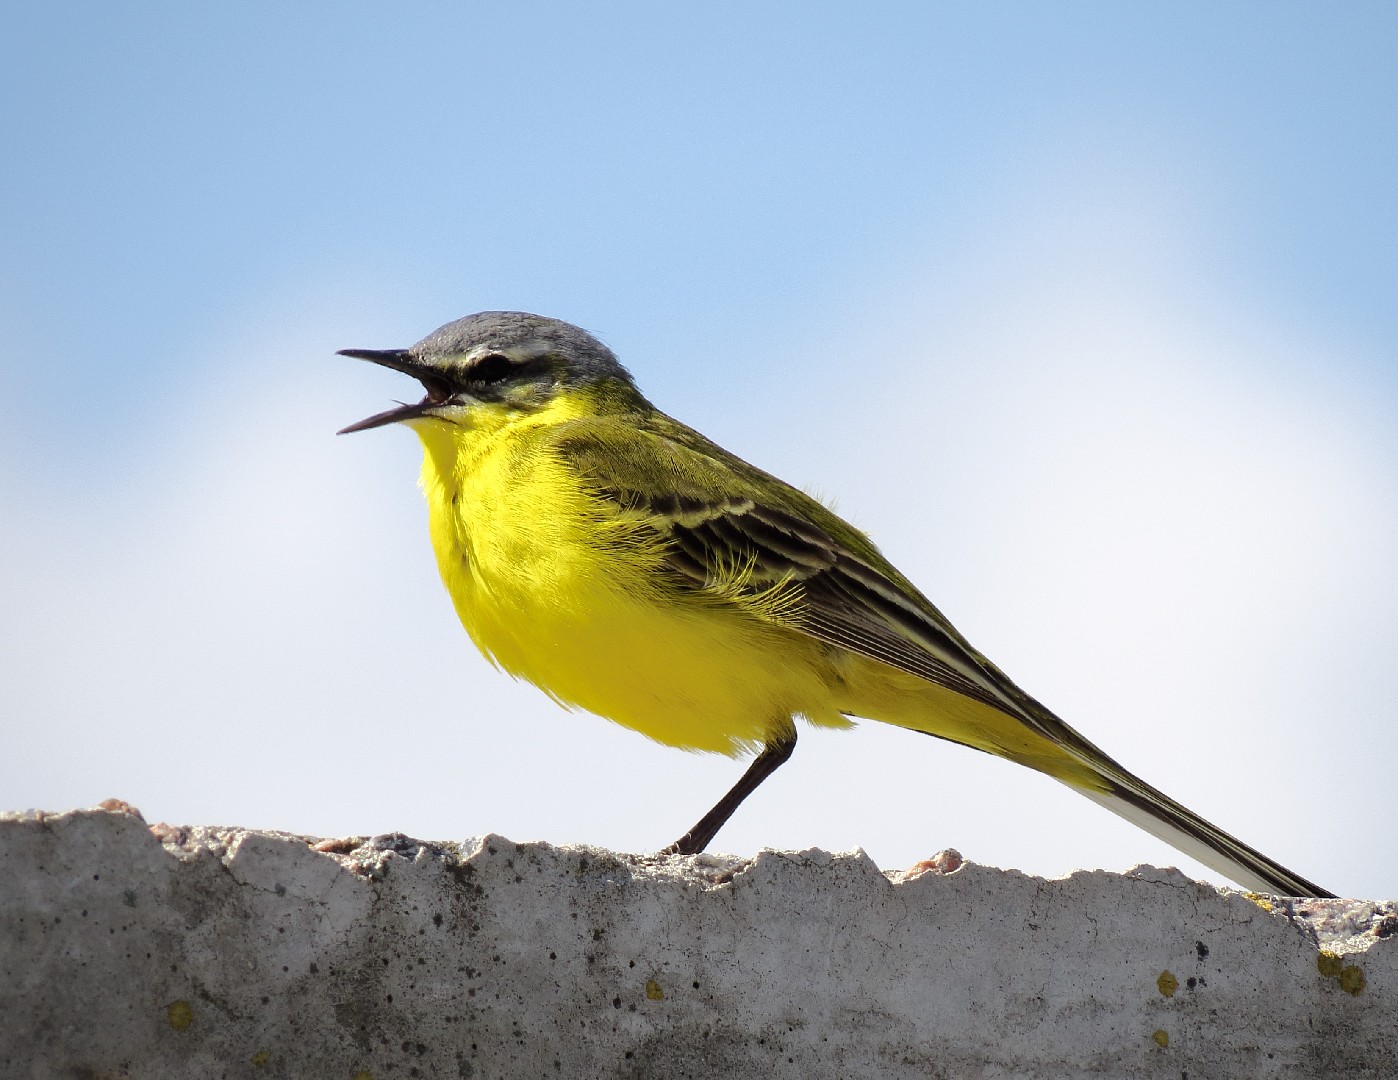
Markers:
<point>560,587</point>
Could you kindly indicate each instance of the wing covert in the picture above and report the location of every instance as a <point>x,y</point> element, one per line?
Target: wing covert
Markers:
<point>726,529</point>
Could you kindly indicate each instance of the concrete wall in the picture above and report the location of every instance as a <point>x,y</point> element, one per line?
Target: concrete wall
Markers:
<point>127,950</point>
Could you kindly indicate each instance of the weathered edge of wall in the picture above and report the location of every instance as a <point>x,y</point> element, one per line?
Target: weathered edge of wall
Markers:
<point>128,950</point>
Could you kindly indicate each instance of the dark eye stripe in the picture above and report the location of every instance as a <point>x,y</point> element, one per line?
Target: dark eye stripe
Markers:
<point>489,369</point>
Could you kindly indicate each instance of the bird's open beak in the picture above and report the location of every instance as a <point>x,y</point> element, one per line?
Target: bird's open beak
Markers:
<point>439,391</point>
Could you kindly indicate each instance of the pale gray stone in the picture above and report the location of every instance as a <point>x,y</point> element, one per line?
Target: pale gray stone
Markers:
<point>233,953</point>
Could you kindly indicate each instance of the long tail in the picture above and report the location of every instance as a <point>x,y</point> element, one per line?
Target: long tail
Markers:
<point>1125,794</point>
<point>1132,798</point>
<point>1128,796</point>
<point>1014,726</point>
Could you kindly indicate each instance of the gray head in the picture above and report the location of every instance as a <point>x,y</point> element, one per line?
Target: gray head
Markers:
<point>507,359</point>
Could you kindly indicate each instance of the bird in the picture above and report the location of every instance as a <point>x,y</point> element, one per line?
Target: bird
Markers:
<point>630,567</point>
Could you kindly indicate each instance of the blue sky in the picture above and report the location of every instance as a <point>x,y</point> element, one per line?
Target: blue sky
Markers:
<point>1085,311</point>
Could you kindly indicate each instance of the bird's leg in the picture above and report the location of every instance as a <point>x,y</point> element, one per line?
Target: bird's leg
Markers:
<point>774,754</point>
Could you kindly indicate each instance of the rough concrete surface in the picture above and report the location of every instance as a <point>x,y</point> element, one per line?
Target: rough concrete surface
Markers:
<point>128,950</point>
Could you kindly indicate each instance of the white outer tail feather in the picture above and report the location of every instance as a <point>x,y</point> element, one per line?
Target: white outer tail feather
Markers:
<point>1245,875</point>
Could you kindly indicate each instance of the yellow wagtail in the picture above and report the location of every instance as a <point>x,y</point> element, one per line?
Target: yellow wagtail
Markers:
<point>625,564</point>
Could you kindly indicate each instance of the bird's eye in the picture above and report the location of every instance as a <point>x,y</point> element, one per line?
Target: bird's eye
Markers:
<point>491,368</point>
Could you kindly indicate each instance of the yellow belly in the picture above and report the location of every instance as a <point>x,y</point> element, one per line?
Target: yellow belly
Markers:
<point>700,684</point>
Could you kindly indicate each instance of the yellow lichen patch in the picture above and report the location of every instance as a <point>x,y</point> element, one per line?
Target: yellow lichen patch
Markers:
<point>1329,964</point>
<point>1261,901</point>
<point>1351,979</point>
<point>1161,1038</point>
<point>261,1058</point>
<point>653,990</point>
<point>1167,983</point>
<point>363,1074</point>
<point>179,1014</point>
<point>1349,976</point>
